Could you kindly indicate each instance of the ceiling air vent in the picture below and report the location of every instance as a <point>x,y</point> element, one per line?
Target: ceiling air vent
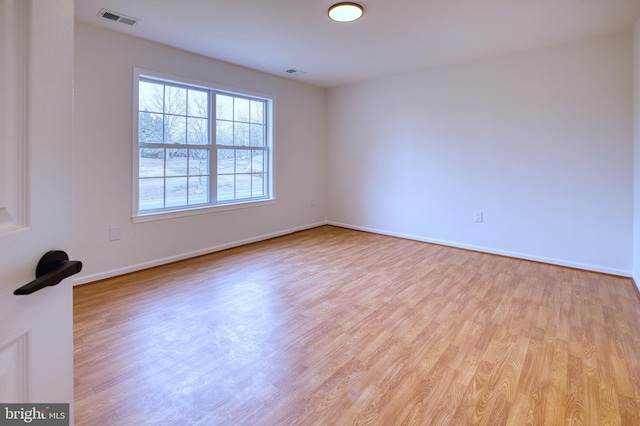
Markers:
<point>118,17</point>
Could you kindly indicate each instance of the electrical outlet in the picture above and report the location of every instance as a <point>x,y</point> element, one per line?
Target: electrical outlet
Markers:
<point>114,233</point>
<point>478,217</point>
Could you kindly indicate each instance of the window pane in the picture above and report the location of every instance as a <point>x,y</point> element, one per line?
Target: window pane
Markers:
<point>257,185</point>
<point>175,129</point>
<point>241,134</point>
<point>226,188</point>
<point>257,135</point>
<point>197,131</point>
<point>179,175</point>
<point>198,190</point>
<point>175,100</point>
<point>224,107</point>
<point>257,161</point>
<point>257,112</point>
<point>198,105</point>
<point>150,127</point>
<point>243,161</point>
<point>151,194</point>
<point>243,186</point>
<point>198,162</point>
<point>151,162</point>
<point>176,192</point>
<point>150,96</point>
<point>241,110</point>
<point>176,162</point>
<point>224,133</point>
<point>226,161</point>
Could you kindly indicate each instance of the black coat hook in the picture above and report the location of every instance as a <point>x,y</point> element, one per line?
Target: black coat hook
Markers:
<point>52,268</point>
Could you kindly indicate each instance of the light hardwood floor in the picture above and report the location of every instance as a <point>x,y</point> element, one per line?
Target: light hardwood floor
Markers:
<point>338,327</point>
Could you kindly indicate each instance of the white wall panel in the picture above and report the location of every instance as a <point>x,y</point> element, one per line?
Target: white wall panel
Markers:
<point>540,141</point>
<point>103,148</point>
<point>636,153</point>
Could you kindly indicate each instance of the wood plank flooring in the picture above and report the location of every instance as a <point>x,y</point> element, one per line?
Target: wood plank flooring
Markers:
<point>338,327</point>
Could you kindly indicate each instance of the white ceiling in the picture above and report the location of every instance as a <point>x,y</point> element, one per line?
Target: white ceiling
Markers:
<point>393,36</point>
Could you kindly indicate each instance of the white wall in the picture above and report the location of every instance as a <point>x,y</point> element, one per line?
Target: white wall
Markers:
<point>540,141</point>
<point>102,174</point>
<point>636,153</point>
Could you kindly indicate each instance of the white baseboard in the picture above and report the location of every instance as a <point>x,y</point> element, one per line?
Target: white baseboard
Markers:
<point>636,281</point>
<point>524,256</point>
<point>157,262</point>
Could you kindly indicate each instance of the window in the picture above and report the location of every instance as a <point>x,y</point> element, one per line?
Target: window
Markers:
<point>198,146</point>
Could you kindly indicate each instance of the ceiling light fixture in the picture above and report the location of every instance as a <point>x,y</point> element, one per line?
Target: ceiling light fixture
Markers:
<point>345,12</point>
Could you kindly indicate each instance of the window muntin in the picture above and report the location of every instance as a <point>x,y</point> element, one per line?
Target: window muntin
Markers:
<point>200,147</point>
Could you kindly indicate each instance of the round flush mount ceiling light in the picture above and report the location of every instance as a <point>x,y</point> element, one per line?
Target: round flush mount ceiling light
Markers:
<point>345,12</point>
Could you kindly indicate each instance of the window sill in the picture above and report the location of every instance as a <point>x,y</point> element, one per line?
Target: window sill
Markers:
<point>151,217</point>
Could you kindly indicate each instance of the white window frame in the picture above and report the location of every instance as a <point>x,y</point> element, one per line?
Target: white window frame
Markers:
<point>213,205</point>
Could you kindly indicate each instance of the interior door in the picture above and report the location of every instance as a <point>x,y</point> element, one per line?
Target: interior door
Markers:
<point>36,89</point>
